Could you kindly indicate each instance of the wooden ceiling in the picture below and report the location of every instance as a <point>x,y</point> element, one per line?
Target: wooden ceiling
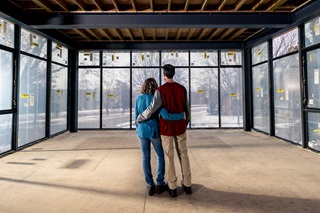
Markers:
<point>158,34</point>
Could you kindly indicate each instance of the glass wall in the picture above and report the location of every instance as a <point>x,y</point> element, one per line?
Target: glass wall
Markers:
<point>89,98</point>
<point>6,33</point>
<point>32,99</point>
<point>287,98</point>
<point>123,72</point>
<point>285,43</point>
<point>5,132</point>
<point>59,98</point>
<point>312,32</point>
<point>313,78</point>
<point>231,97</point>
<point>116,98</point>
<point>260,88</point>
<point>6,80</point>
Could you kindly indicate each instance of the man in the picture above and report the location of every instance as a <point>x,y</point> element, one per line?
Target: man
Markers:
<point>173,97</point>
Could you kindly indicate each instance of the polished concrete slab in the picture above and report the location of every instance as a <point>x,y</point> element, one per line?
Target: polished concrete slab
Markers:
<point>100,171</point>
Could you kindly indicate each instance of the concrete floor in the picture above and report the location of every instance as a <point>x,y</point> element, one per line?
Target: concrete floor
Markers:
<point>100,171</point>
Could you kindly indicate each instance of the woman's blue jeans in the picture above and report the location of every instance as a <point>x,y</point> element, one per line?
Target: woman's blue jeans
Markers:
<point>145,146</point>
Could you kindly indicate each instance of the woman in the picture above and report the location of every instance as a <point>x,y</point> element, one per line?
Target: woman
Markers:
<point>148,132</point>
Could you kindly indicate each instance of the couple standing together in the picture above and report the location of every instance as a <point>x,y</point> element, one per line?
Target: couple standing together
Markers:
<point>171,103</point>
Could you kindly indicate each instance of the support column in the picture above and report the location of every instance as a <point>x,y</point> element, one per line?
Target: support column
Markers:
<point>73,90</point>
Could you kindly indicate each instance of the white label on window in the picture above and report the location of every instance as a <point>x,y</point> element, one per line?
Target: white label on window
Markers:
<point>316,76</point>
<point>310,101</point>
<point>261,90</point>
<point>287,95</point>
<point>31,99</point>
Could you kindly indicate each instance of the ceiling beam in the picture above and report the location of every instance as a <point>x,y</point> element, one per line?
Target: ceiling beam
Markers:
<point>154,34</point>
<point>130,34</point>
<point>186,5</point>
<point>98,4</point>
<point>43,4</point>
<point>239,32</point>
<point>276,5</point>
<point>166,34</point>
<point>215,33</point>
<point>133,6</point>
<point>82,34</point>
<point>203,32</point>
<point>239,5</point>
<point>257,5</point>
<point>62,4</point>
<point>222,4</point>
<point>169,5</point>
<point>178,34</point>
<point>142,34</point>
<point>151,5</point>
<point>191,31</point>
<point>160,20</point>
<point>81,4</point>
<point>119,34</point>
<point>204,4</point>
<point>105,34</point>
<point>226,33</point>
<point>93,34</point>
<point>115,4</point>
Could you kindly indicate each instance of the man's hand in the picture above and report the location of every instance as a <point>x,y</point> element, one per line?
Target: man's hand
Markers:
<point>184,116</point>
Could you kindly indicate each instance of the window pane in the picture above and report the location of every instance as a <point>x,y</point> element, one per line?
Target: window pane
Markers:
<point>314,130</point>
<point>176,58</point>
<point>59,98</point>
<point>145,59</point>
<point>287,98</point>
<point>231,57</point>
<point>312,32</point>
<point>59,53</point>
<point>116,59</point>
<point>260,53</point>
<point>286,43</point>
<point>6,33</point>
<point>260,90</point>
<point>313,67</point>
<point>204,98</point>
<point>5,133</point>
<point>89,58</point>
<point>33,43</point>
<point>116,98</point>
<point>32,100</point>
<point>204,58</point>
<point>6,80</point>
<point>231,97</point>
<point>138,76</point>
<point>89,98</point>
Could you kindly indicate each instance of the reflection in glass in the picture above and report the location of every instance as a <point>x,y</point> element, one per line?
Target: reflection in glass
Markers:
<point>138,77</point>
<point>6,33</point>
<point>260,90</point>
<point>59,95</point>
<point>89,98</point>
<point>260,53</point>
<point>313,67</point>
<point>312,32</point>
<point>176,58</point>
<point>32,100</point>
<point>116,98</point>
<point>287,107</point>
<point>204,97</point>
<point>116,59</point>
<point>145,59</point>
<point>59,53</point>
<point>6,80</point>
<point>286,43</point>
<point>314,130</point>
<point>231,97</point>
<point>5,133</point>
<point>89,58</point>
<point>231,57</point>
<point>33,43</point>
<point>204,58</point>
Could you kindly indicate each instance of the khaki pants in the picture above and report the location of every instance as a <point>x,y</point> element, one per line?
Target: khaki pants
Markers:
<point>180,143</point>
